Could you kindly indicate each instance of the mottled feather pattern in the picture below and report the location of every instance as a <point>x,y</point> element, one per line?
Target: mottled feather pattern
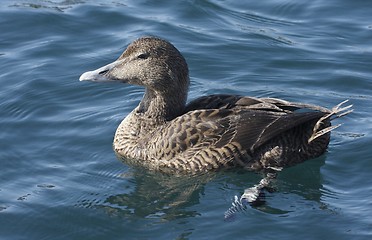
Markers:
<point>234,135</point>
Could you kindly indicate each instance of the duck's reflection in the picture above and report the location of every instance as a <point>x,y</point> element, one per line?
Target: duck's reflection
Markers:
<point>158,195</point>
<point>167,197</point>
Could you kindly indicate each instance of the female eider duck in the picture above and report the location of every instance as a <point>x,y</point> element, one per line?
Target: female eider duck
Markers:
<point>166,134</point>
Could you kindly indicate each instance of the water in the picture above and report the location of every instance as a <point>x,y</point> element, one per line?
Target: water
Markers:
<point>59,177</point>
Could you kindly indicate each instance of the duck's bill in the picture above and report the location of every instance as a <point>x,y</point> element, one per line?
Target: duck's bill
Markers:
<point>99,75</point>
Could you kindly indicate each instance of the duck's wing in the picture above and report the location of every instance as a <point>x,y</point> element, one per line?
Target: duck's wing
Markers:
<point>219,127</point>
<point>224,101</point>
<point>255,127</point>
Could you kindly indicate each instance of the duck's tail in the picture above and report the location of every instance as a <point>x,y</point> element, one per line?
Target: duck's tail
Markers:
<point>336,112</point>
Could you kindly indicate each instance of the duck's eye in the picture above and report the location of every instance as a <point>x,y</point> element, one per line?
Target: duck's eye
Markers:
<point>143,56</point>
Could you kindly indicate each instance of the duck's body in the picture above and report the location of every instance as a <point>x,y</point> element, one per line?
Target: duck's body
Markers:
<point>211,132</point>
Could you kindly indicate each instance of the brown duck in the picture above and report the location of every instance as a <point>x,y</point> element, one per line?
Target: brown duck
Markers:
<point>166,134</point>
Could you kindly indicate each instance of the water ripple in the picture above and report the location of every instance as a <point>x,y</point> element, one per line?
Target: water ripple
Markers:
<point>58,168</point>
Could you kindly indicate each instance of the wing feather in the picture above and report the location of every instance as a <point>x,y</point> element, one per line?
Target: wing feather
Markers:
<point>218,120</point>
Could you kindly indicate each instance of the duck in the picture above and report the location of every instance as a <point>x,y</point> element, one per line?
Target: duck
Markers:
<point>168,134</point>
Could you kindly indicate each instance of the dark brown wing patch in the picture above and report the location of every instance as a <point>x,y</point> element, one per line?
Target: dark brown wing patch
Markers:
<point>219,127</point>
<point>257,127</point>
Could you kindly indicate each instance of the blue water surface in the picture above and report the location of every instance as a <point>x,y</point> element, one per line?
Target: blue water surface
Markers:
<point>59,177</point>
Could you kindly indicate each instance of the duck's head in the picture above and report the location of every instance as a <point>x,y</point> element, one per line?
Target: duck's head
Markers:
<point>150,62</point>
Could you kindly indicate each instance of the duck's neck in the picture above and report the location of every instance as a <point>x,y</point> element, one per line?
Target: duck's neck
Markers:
<point>162,107</point>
